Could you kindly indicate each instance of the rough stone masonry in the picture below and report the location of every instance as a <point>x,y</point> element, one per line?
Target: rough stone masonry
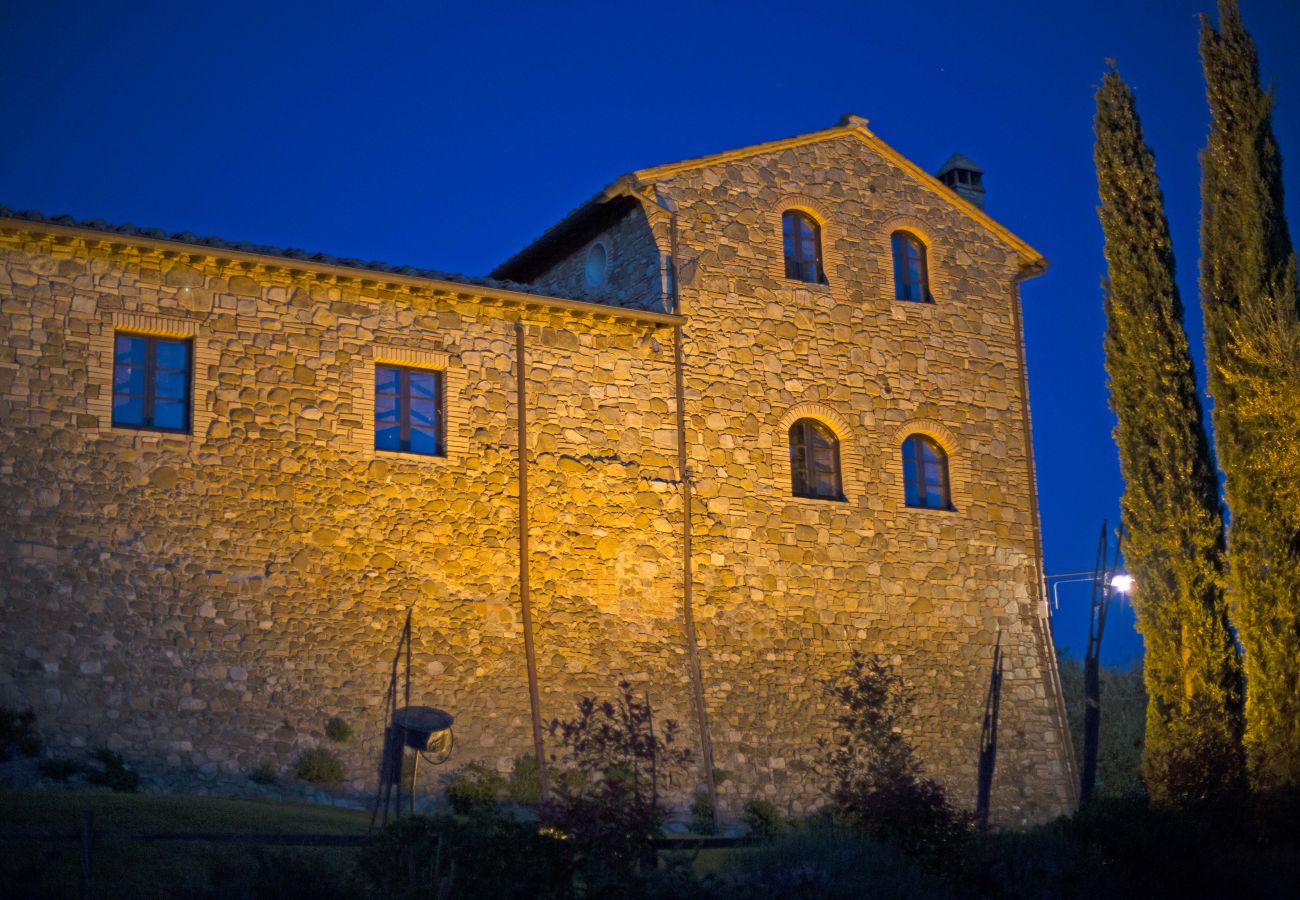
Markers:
<point>207,600</point>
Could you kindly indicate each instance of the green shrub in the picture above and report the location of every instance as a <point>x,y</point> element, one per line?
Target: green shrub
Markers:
<point>337,730</point>
<point>702,819</point>
<point>58,769</point>
<point>110,771</point>
<point>474,788</point>
<point>763,819</point>
<point>264,774</point>
<point>875,782</point>
<point>609,808</point>
<point>524,784</point>
<point>485,856</point>
<point>828,864</point>
<point>320,766</point>
<point>18,733</point>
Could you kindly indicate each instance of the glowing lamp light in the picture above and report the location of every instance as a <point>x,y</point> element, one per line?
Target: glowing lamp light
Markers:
<point>1122,583</point>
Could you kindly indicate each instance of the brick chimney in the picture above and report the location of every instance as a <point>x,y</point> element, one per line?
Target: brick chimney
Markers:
<point>964,177</point>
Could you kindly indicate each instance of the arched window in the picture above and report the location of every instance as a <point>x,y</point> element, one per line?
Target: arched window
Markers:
<point>925,473</point>
<point>911,278</point>
<point>814,461</point>
<point>803,246</point>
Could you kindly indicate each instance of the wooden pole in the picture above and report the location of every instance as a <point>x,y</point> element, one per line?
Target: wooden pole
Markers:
<point>525,597</point>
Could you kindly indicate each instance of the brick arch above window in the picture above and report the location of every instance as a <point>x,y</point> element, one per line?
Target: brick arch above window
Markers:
<point>936,255</point>
<point>832,257</point>
<point>852,482</point>
<point>959,474</point>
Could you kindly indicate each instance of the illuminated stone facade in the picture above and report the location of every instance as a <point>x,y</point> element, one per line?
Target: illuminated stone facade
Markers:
<point>208,600</point>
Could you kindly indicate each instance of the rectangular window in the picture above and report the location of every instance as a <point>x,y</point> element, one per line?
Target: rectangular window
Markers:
<point>151,383</point>
<point>408,411</point>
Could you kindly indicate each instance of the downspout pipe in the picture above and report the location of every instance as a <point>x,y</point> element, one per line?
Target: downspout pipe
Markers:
<point>674,303</point>
<point>1051,665</point>
<point>525,595</point>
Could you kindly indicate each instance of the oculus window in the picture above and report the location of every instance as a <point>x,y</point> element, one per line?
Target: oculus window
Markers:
<point>151,383</point>
<point>814,461</point>
<point>802,240</point>
<point>925,474</point>
<point>911,279</point>
<point>409,411</point>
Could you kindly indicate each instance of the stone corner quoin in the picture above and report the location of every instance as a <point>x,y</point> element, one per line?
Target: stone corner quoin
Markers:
<point>206,600</point>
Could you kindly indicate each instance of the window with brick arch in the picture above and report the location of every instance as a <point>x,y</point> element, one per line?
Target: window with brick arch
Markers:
<point>802,239</point>
<point>409,411</point>
<point>911,275</point>
<point>814,461</point>
<point>925,474</point>
<point>151,383</point>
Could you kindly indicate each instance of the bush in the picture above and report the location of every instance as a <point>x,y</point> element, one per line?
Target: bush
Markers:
<point>58,769</point>
<point>337,730</point>
<point>827,864</point>
<point>763,819</point>
<point>485,856</point>
<point>18,733</point>
<point>524,784</point>
<point>264,774</point>
<point>320,766</point>
<point>875,783</point>
<point>111,772</point>
<point>474,788</point>
<point>607,800</point>
<point>702,818</point>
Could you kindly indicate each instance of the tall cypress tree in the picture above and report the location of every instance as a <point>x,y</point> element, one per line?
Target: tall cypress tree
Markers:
<point>1248,288</point>
<point>1171,499</point>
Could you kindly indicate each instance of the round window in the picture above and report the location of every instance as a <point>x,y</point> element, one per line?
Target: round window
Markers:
<point>597,264</point>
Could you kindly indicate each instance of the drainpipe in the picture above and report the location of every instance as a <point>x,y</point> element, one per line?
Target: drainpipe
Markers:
<point>1051,666</point>
<point>525,597</point>
<point>683,468</point>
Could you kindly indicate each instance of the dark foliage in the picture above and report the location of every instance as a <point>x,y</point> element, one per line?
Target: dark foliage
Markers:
<point>337,729</point>
<point>320,766</point>
<point>474,788</point>
<point>874,782</point>
<point>524,783</point>
<point>1123,716</point>
<point>107,769</point>
<point>607,802</point>
<point>58,769</point>
<point>763,819</point>
<point>480,857</point>
<point>18,733</point>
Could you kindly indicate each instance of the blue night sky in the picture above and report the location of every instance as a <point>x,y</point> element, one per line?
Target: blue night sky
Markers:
<point>448,136</point>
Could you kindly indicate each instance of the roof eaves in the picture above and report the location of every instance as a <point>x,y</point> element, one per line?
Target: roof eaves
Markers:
<point>1031,261</point>
<point>507,291</point>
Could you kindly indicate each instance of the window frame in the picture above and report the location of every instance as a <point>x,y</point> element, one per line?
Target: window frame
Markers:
<point>796,260</point>
<point>909,240</point>
<point>149,393</point>
<point>403,396</point>
<point>807,478</point>
<point>915,475</point>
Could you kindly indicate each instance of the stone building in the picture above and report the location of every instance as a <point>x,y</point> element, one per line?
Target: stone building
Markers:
<point>763,408</point>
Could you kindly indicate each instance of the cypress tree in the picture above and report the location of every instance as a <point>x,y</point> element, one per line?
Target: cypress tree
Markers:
<point>1171,504</point>
<point>1248,289</point>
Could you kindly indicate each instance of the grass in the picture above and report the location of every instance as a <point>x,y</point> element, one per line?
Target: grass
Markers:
<point>62,811</point>
<point>149,871</point>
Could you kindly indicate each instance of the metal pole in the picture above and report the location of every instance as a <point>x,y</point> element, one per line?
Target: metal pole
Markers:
<point>1101,590</point>
<point>525,598</point>
<point>88,853</point>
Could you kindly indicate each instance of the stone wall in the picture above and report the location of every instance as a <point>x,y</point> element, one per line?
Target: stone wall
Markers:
<point>790,586</point>
<point>209,600</point>
<point>634,276</point>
